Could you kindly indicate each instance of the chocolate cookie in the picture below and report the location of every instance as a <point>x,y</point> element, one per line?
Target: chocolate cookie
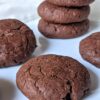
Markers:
<point>71,3</point>
<point>63,31</point>
<point>17,42</point>
<point>53,77</point>
<point>63,15</point>
<point>90,49</point>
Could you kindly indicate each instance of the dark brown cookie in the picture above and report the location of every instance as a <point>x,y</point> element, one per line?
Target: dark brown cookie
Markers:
<point>53,77</point>
<point>17,42</point>
<point>63,31</point>
<point>71,3</point>
<point>63,15</point>
<point>90,49</point>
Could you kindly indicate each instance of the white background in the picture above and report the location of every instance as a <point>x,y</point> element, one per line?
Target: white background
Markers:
<point>25,10</point>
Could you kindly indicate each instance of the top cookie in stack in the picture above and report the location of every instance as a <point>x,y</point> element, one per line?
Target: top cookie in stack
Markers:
<point>71,3</point>
<point>64,19</point>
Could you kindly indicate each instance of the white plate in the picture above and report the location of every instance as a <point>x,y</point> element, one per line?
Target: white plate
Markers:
<point>8,88</point>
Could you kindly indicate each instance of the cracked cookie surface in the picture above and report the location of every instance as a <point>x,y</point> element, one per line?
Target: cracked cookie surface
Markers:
<point>63,31</point>
<point>90,49</point>
<point>71,3</point>
<point>62,15</point>
<point>53,77</point>
<point>17,42</point>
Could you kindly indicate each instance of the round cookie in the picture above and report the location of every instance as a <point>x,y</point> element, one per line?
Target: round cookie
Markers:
<point>62,15</point>
<point>90,49</point>
<point>17,42</point>
<point>71,3</point>
<point>63,31</point>
<point>53,77</point>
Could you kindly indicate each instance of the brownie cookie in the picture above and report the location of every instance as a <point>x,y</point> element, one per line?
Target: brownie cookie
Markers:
<point>63,15</point>
<point>63,31</point>
<point>90,49</point>
<point>17,42</point>
<point>71,3</point>
<point>53,77</point>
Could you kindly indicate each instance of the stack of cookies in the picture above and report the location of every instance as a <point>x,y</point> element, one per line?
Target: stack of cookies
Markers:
<point>64,19</point>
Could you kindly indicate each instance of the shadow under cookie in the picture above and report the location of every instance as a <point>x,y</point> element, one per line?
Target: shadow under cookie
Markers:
<point>43,45</point>
<point>7,90</point>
